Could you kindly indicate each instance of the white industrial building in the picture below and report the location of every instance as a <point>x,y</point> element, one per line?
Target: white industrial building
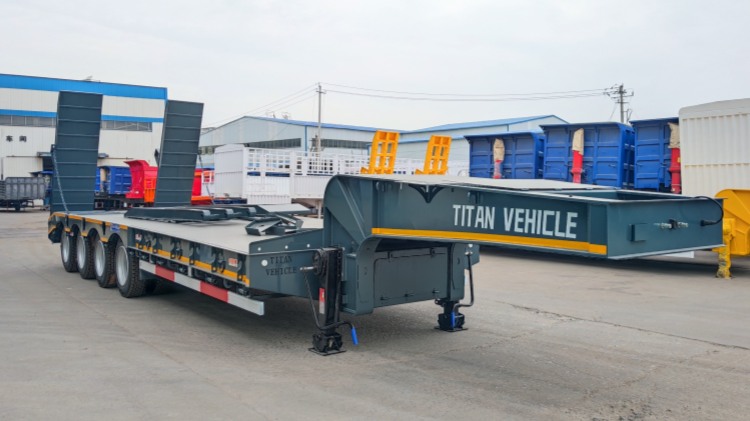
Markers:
<point>273,133</point>
<point>132,119</point>
<point>413,144</point>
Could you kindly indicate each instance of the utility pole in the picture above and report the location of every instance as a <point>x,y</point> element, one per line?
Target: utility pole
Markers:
<point>318,139</point>
<point>619,93</point>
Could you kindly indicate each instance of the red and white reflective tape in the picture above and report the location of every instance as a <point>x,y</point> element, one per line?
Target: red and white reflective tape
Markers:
<point>253,306</point>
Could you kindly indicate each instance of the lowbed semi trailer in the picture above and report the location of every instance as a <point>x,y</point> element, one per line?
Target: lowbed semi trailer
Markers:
<point>385,240</point>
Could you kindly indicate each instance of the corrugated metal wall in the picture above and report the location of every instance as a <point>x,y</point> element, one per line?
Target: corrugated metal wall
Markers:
<point>416,150</point>
<point>135,107</point>
<point>715,147</point>
<point>459,146</point>
<point>248,130</point>
<point>25,99</point>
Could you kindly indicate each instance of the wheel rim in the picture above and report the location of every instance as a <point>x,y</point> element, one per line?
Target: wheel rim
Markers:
<point>65,245</point>
<point>99,258</point>
<point>81,251</point>
<point>121,266</point>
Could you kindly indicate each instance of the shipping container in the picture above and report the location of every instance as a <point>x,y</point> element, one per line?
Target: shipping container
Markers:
<point>117,180</point>
<point>608,153</point>
<point>23,188</point>
<point>98,181</point>
<point>652,154</point>
<point>522,160</point>
<point>267,190</point>
<point>715,147</point>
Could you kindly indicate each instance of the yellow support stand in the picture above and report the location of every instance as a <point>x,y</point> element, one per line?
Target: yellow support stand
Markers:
<point>725,253</point>
<point>383,153</point>
<point>436,158</point>
<point>736,228</point>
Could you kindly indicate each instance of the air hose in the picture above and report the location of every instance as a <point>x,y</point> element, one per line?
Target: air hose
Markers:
<point>705,222</point>
<point>471,290</point>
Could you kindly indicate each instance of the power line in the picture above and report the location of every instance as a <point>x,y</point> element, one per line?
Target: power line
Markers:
<point>612,113</point>
<point>470,99</point>
<point>292,101</point>
<point>307,98</point>
<point>600,90</point>
<point>278,103</point>
<point>303,95</point>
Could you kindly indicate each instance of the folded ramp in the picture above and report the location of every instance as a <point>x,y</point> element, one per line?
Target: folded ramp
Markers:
<point>76,151</point>
<point>179,150</point>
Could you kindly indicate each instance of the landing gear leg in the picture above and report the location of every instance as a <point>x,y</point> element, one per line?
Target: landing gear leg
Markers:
<point>451,320</point>
<point>327,343</point>
<point>327,266</point>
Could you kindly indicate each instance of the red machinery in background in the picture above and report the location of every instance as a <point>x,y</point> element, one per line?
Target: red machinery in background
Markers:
<point>143,184</point>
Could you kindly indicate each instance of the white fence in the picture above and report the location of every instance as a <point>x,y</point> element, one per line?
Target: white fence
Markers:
<point>273,176</point>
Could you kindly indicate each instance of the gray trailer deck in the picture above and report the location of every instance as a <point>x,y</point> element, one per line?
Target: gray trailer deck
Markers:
<point>227,234</point>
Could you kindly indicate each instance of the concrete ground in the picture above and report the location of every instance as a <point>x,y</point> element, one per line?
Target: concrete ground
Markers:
<point>550,337</point>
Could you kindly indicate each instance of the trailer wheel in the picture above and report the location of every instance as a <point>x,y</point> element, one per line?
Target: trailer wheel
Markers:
<point>85,255</point>
<point>128,274</point>
<point>68,251</point>
<point>104,259</point>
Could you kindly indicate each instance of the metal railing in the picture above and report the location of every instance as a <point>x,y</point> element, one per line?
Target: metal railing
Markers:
<point>275,161</point>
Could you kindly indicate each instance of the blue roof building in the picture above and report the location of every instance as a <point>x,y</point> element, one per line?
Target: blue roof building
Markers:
<point>132,118</point>
<point>276,133</point>
<point>413,144</point>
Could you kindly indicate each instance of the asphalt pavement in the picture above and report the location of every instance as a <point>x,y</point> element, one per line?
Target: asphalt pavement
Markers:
<point>550,337</point>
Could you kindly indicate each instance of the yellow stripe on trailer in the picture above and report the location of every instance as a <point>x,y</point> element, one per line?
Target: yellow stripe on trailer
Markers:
<point>225,273</point>
<point>495,238</point>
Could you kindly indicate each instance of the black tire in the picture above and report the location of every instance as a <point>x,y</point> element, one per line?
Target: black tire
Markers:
<point>68,251</point>
<point>104,262</point>
<point>85,255</point>
<point>127,273</point>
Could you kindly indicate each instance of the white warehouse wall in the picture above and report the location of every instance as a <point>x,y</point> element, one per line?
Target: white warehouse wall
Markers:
<point>26,99</point>
<point>19,166</point>
<point>249,129</point>
<point>38,139</point>
<point>125,145</point>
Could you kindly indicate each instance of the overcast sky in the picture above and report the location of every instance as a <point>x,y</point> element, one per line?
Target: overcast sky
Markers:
<point>238,56</point>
